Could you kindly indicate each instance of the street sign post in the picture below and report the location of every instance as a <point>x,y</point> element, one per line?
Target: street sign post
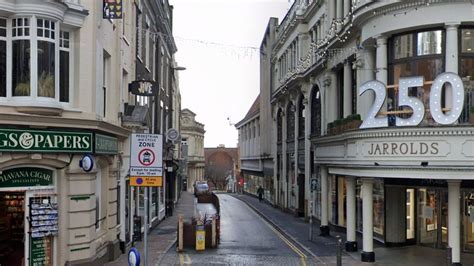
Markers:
<point>146,170</point>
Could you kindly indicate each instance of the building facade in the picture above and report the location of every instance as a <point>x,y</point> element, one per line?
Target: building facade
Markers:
<point>404,147</point>
<point>192,141</point>
<point>55,109</point>
<point>222,166</point>
<point>66,118</point>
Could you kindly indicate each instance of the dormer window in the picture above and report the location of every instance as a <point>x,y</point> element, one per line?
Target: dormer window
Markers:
<point>34,61</point>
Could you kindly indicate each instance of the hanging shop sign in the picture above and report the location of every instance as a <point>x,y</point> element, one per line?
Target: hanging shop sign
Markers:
<point>45,141</point>
<point>144,88</point>
<point>105,144</point>
<point>26,177</point>
<point>112,9</point>
<point>439,115</point>
<point>146,159</point>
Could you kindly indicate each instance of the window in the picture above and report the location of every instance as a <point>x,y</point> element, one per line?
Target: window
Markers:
<point>39,66</point>
<point>466,72</point>
<point>414,54</point>
<point>105,82</point>
<point>3,58</point>
<point>290,126</point>
<point>64,62</point>
<point>21,56</point>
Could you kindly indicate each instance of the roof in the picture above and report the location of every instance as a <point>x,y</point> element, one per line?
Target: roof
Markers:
<point>254,109</point>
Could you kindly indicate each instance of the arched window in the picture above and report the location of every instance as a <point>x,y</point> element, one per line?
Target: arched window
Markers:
<point>279,126</point>
<point>290,124</point>
<point>316,112</point>
<point>301,118</point>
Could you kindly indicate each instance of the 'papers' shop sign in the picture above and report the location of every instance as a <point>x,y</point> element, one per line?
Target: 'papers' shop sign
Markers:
<point>44,141</point>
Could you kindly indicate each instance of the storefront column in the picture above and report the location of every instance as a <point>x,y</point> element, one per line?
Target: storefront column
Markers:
<point>347,89</point>
<point>276,186</point>
<point>307,152</point>
<point>381,60</point>
<point>284,154</point>
<point>324,228</point>
<point>451,57</point>
<point>351,242</point>
<point>454,220</point>
<point>368,254</point>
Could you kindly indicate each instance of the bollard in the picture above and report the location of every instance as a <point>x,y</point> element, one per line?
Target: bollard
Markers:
<point>449,256</point>
<point>180,233</point>
<point>339,251</point>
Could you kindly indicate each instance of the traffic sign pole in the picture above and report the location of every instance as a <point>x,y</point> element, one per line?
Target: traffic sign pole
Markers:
<point>146,228</point>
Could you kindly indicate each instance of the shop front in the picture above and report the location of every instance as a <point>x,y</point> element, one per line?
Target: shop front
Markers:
<point>28,216</point>
<point>54,193</point>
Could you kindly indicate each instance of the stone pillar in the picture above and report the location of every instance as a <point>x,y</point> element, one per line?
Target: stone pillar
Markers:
<point>347,89</point>
<point>382,59</point>
<point>454,220</point>
<point>331,11</point>
<point>451,58</point>
<point>284,156</point>
<point>365,64</point>
<point>295,186</point>
<point>276,186</point>
<point>347,6</point>
<point>307,150</point>
<point>368,254</point>
<point>351,243</point>
<point>324,202</point>
<point>339,9</point>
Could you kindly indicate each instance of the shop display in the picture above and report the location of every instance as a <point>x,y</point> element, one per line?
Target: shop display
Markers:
<point>43,217</point>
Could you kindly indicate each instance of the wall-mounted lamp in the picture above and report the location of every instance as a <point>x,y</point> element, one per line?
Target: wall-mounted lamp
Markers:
<point>179,68</point>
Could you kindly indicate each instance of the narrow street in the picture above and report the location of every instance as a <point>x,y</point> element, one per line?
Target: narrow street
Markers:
<point>246,239</point>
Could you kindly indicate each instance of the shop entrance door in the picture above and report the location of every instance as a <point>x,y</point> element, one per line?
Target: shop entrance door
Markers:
<point>410,216</point>
<point>433,217</point>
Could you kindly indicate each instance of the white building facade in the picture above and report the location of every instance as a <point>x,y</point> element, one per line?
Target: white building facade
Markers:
<point>406,146</point>
<point>192,145</point>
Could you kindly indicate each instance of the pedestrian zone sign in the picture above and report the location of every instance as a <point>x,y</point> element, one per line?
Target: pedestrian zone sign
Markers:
<point>146,160</point>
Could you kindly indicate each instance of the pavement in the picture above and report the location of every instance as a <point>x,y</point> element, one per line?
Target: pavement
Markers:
<point>324,248</point>
<point>163,236</point>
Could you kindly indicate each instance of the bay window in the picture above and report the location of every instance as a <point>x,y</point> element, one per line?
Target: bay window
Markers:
<point>414,54</point>
<point>37,57</point>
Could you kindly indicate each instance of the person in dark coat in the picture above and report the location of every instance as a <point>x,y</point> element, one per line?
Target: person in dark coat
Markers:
<point>260,193</point>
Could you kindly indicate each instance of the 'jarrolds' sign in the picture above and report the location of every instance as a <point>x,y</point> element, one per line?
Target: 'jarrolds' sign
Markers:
<point>44,141</point>
<point>406,148</point>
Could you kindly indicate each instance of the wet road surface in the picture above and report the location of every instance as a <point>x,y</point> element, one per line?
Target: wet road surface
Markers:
<point>246,239</point>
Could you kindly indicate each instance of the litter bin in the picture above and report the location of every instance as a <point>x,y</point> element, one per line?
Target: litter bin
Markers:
<point>137,228</point>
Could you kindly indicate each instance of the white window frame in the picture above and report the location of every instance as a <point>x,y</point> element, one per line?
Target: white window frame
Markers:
<point>33,99</point>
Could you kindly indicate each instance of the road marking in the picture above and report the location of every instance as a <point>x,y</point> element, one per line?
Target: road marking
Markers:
<point>282,237</point>
<point>188,259</point>
<point>181,259</point>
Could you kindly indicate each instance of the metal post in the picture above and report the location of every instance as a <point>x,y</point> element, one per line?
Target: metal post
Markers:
<point>449,256</point>
<point>311,217</point>
<point>339,251</point>
<point>145,252</point>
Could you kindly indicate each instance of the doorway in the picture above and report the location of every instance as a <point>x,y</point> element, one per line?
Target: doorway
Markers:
<point>12,228</point>
<point>433,217</point>
<point>301,189</point>
<point>410,216</point>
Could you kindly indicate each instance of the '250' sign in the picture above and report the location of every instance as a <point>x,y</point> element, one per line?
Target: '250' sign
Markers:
<point>457,101</point>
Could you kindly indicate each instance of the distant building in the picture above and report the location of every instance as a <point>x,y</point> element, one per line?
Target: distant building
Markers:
<point>192,141</point>
<point>220,163</point>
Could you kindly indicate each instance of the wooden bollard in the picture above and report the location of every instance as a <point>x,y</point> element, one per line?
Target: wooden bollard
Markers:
<point>214,235</point>
<point>180,233</point>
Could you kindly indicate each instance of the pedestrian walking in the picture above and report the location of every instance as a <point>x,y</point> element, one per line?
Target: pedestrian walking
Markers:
<point>260,193</point>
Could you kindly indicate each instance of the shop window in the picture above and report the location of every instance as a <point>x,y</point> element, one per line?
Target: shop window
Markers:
<point>415,54</point>
<point>35,59</point>
<point>316,112</point>
<point>466,72</point>
<point>429,42</point>
<point>290,123</point>
<point>379,207</point>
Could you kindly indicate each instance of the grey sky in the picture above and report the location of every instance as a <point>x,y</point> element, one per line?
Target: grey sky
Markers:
<point>221,81</point>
